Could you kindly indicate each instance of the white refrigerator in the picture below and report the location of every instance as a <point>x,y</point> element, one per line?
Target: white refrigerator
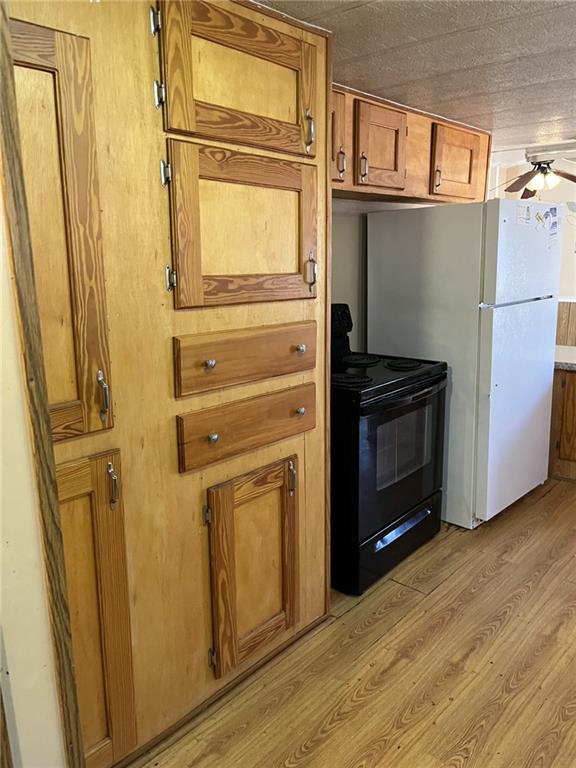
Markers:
<point>475,285</point>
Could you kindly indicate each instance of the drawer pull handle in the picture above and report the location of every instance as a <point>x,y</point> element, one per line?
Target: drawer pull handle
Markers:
<point>301,349</point>
<point>114,483</point>
<point>300,411</point>
<point>438,177</point>
<point>213,437</point>
<point>209,364</point>
<point>105,392</point>
<point>311,138</point>
<point>341,162</point>
<point>364,167</point>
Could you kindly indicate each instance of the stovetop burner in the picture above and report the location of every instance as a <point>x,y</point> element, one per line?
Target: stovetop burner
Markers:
<point>350,379</point>
<point>403,364</point>
<point>359,360</point>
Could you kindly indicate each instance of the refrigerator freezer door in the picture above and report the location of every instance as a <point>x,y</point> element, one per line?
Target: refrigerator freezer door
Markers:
<point>424,281</point>
<point>515,397</point>
<point>521,251</point>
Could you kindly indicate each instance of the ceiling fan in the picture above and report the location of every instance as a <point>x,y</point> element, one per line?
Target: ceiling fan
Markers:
<point>543,175</point>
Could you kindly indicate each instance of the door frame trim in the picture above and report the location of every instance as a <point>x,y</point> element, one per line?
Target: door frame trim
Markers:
<point>15,215</point>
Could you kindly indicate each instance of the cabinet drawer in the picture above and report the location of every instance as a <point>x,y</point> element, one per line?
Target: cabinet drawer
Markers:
<point>213,360</point>
<point>211,435</point>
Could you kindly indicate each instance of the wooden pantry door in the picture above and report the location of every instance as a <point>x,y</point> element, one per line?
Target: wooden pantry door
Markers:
<point>243,226</point>
<point>253,561</point>
<point>231,76</point>
<point>56,115</point>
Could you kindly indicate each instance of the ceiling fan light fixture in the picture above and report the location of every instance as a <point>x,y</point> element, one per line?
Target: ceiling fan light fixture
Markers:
<point>551,180</point>
<point>537,184</point>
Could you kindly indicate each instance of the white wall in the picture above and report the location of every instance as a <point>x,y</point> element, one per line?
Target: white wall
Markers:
<point>349,270</point>
<point>28,671</point>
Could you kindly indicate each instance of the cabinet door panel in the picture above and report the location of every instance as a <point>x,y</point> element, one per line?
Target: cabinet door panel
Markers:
<point>95,562</point>
<point>231,77</point>
<point>339,156</point>
<point>266,251</point>
<point>456,162</point>
<point>253,561</point>
<point>55,107</point>
<point>568,431</point>
<point>380,146</point>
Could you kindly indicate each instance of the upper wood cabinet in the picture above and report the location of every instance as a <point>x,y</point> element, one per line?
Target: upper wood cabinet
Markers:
<point>380,146</point>
<point>253,561</point>
<point>92,522</point>
<point>455,162</point>
<point>231,76</point>
<point>56,114</point>
<point>339,158</point>
<point>243,226</point>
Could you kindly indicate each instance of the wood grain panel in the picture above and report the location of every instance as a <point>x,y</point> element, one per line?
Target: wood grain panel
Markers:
<point>253,517</point>
<point>242,356</point>
<point>95,557</point>
<point>455,162</point>
<point>190,225</point>
<point>243,426</point>
<point>566,329</point>
<point>381,139</point>
<point>67,226</point>
<point>567,450</point>
<point>239,33</point>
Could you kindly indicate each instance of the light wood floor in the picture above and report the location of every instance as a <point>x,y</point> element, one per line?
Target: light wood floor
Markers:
<point>465,655</point>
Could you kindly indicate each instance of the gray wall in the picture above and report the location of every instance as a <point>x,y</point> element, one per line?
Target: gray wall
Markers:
<point>349,270</point>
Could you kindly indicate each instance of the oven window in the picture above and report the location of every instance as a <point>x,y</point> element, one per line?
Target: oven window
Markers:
<point>404,445</point>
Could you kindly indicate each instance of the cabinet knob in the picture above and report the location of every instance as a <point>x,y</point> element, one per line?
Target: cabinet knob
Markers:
<point>213,437</point>
<point>301,349</point>
<point>300,411</point>
<point>209,364</point>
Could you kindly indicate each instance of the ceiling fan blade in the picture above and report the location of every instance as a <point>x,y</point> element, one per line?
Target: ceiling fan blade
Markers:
<point>565,175</point>
<point>527,194</point>
<point>521,181</point>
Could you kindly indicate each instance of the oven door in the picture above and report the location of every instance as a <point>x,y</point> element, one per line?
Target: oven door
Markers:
<point>401,452</point>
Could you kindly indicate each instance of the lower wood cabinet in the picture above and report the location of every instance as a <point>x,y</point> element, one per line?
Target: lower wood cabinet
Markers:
<point>563,431</point>
<point>253,561</point>
<point>92,521</point>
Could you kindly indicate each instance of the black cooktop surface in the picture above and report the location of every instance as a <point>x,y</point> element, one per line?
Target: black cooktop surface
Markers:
<point>377,375</point>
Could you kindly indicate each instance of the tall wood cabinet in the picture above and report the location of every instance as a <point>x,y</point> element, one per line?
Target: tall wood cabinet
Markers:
<point>178,190</point>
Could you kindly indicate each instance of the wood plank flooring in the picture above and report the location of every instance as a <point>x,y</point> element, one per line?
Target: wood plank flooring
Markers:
<point>463,657</point>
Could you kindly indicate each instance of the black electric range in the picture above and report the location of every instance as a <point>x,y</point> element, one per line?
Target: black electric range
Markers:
<point>387,437</point>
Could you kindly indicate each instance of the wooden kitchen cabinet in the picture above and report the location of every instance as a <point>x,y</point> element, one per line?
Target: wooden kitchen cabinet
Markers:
<point>92,521</point>
<point>404,154</point>
<point>253,522</point>
<point>380,150</point>
<point>455,162</point>
<point>55,105</point>
<point>268,249</point>
<point>563,428</point>
<point>231,76</point>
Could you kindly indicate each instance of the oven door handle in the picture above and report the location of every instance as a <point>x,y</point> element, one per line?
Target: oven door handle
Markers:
<point>399,402</point>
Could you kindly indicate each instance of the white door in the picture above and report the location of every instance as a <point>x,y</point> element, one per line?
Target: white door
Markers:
<point>515,397</point>
<point>521,251</point>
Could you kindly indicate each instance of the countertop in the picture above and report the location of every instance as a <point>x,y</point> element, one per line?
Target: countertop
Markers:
<point>566,358</point>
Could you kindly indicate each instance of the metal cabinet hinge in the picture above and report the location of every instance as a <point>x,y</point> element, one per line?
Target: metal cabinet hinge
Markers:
<point>155,21</point>
<point>211,657</point>
<point>159,90</point>
<point>206,515</point>
<point>171,278</point>
<point>165,173</point>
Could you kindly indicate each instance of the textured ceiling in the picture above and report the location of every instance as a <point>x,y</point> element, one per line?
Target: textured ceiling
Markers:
<point>505,65</point>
